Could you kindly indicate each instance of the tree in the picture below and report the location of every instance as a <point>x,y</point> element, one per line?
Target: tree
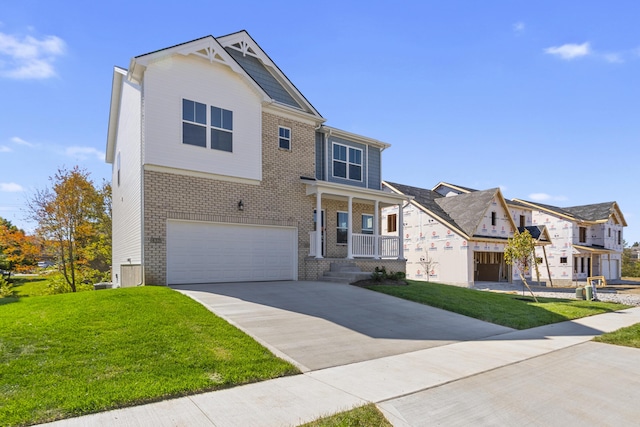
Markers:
<point>74,217</point>
<point>18,251</point>
<point>520,252</point>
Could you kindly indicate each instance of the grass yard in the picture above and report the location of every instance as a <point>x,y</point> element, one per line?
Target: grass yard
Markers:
<point>30,286</point>
<point>502,309</point>
<point>364,416</point>
<point>72,354</point>
<point>629,337</point>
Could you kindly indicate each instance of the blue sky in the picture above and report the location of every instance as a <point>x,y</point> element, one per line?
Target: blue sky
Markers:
<point>539,98</point>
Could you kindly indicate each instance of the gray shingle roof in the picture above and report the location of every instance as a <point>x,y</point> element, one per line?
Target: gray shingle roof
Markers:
<point>595,212</point>
<point>465,211</point>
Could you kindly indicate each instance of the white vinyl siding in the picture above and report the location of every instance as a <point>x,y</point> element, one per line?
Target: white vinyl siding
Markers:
<point>127,199</point>
<point>167,83</point>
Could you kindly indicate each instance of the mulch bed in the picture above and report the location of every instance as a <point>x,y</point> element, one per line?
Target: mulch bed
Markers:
<point>385,282</point>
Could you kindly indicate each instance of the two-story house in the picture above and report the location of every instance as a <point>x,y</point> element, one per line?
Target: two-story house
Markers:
<point>457,235</point>
<point>587,240</point>
<point>223,171</point>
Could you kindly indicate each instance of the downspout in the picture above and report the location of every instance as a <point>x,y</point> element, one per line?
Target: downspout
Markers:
<point>143,234</point>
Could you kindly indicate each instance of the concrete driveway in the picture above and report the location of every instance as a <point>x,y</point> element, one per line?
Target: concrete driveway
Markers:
<point>319,325</point>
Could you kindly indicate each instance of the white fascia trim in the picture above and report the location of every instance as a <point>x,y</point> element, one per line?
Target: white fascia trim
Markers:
<point>339,133</point>
<point>332,188</point>
<point>198,174</point>
<point>280,109</point>
<point>114,112</point>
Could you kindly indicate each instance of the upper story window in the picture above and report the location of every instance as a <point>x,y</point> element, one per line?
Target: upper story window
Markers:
<point>367,224</point>
<point>284,138</point>
<point>619,237</point>
<point>118,167</point>
<point>493,218</point>
<point>347,162</point>
<point>194,123</point>
<point>194,126</point>
<point>583,235</point>
<point>221,129</point>
<point>522,221</point>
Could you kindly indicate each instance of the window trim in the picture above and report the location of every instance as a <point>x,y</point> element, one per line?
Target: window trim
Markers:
<point>208,125</point>
<point>223,128</point>
<point>282,138</point>
<point>347,163</point>
<point>338,228</point>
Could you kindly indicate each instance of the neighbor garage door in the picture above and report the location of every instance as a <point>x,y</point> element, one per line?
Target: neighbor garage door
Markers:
<point>199,252</point>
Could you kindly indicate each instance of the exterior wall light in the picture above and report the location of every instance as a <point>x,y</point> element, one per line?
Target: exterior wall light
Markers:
<point>240,206</point>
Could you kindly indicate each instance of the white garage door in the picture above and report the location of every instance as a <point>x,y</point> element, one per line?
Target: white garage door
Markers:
<point>199,252</point>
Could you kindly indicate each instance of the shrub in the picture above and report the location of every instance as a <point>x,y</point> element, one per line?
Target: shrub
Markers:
<point>6,288</point>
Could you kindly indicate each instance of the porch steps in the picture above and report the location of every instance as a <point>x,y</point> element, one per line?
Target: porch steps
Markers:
<point>344,272</point>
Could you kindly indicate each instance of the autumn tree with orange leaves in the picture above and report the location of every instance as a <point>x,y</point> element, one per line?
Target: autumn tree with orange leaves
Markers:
<point>18,251</point>
<point>75,217</point>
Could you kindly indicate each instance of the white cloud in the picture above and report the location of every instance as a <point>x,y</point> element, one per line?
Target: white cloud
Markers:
<point>518,27</point>
<point>83,153</point>
<point>20,141</point>
<point>614,58</point>
<point>569,51</point>
<point>29,57</point>
<point>544,197</point>
<point>5,149</point>
<point>10,187</point>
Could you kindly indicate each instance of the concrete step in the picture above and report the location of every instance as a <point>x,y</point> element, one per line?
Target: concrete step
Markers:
<point>348,277</point>
<point>344,266</point>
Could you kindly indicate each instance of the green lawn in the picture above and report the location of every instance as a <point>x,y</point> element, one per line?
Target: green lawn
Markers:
<point>502,309</point>
<point>30,286</point>
<point>72,354</point>
<point>364,416</point>
<point>629,336</point>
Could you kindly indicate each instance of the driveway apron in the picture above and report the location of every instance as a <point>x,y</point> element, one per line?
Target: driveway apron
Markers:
<point>318,325</point>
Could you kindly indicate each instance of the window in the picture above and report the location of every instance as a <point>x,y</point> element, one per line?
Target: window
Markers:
<point>563,260</point>
<point>583,235</point>
<point>221,129</point>
<point>367,224</point>
<point>581,264</point>
<point>619,237</point>
<point>522,221</point>
<point>194,122</point>
<point>284,138</point>
<point>194,126</point>
<point>609,231</point>
<point>347,162</point>
<point>391,222</point>
<point>118,167</point>
<point>343,221</point>
<point>493,218</point>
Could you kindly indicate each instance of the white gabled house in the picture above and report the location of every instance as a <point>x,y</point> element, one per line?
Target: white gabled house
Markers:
<point>220,165</point>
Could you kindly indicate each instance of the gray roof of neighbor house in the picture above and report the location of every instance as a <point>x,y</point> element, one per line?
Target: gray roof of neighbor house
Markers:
<point>536,231</point>
<point>595,212</point>
<point>464,211</point>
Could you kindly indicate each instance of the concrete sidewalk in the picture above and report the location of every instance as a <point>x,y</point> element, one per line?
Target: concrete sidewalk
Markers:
<point>488,381</point>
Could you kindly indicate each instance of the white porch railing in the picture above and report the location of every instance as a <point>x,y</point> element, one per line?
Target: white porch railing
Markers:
<point>363,245</point>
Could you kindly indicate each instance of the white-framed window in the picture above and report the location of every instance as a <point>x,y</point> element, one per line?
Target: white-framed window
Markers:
<point>194,126</point>
<point>342,227</point>
<point>347,162</point>
<point>118,167</point>
<point>284,138</point>
<point>367,224</point>
<point>221,129</point>
<point>194,123</point>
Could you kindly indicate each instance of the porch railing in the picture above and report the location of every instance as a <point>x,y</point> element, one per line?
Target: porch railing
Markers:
<point>363,245</point>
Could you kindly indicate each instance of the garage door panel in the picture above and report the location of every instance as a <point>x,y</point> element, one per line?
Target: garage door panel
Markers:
<point>214,252</point>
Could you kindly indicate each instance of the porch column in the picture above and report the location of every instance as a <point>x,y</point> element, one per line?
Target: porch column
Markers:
<point>318,225</point>
<point>350,229</point>
<point>376,230</point>
<point>400,232</point>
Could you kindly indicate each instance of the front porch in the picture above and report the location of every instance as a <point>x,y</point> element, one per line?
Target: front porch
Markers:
<point>364,246</point>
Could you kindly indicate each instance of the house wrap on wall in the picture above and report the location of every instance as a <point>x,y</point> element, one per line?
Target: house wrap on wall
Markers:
<point>222,171</point>
<point>587,240</point>
<point>457,235</point>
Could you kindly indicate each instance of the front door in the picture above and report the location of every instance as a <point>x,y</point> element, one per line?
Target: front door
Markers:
<point>323,229</point>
